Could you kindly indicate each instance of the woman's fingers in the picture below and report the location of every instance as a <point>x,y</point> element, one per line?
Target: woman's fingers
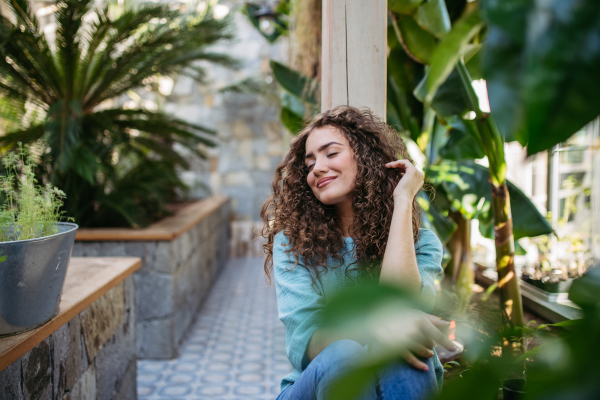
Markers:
<point>434,333</point>
<point>420,350</point>
<point>439,323</point>
<point>399,163</point>
<point>414,361</point>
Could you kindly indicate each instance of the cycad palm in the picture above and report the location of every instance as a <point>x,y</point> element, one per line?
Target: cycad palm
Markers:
<point>61,92</point>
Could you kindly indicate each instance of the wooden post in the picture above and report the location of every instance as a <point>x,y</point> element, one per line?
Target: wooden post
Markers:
<point>354,54</point>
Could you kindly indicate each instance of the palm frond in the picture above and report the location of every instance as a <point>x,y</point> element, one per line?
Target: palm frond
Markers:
<point>28,135</point>
<point>166,48</point>
<point>69,19</point>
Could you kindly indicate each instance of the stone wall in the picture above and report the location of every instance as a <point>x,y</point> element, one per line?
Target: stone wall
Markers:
<point>251,139</point>
<point>175,278</point>
<point>91,357</point>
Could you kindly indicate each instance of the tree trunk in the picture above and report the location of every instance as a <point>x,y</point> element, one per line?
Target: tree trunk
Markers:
<point>460,268</point>
<point>510,295</point>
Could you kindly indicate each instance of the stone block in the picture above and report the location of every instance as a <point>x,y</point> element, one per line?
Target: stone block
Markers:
<point>113,249</point>
<point>113,361</point>
<point>70,358</point>
<point>154,294</point>
<point>36,372</point>
<point>241,130</point>
<point>144,250</point>
<point>126,386</point>
<point>183,318</point>
<point>164,259</point>
<point>238,178</point>
<point>155,339</point>
<point>85,388</point>
<point>102,318</point>
<point>185,246</point>
<point>10,382</point>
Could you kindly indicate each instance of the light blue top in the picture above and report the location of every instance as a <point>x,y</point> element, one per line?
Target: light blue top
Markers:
<point>300,303</point>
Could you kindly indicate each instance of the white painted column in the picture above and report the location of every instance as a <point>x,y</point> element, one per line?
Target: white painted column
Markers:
<point>354,58</point>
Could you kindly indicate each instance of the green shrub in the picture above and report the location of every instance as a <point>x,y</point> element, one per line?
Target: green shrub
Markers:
<point>28,210</point>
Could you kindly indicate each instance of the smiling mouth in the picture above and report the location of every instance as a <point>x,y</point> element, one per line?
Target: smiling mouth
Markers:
<point>325,181</point>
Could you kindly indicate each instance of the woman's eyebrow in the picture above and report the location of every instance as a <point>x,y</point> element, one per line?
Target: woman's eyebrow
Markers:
<point>320,149</point>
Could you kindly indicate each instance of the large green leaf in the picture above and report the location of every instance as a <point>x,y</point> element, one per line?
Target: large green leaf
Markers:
<point>433,16</point>
<point>460,145</point>
<point>294,82</point>
<point>543,71</point>
<point>280,25</point>
<point>441,225</point>
<point>449,51</point>
<point>292,121</point>
<point>468,188</point>
<point>403,75</point>
<point>450,99</point>
<point>417,42</point>
<point>406,7</point>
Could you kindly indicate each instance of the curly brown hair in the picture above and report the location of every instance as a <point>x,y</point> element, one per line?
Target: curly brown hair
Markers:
<point>313,228</point>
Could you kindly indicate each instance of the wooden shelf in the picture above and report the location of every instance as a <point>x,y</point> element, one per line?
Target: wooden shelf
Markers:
<point>167,228</point>
<point>86,281</point>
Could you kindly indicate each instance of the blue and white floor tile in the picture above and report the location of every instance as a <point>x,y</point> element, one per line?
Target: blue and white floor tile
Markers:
<point>236,350</point>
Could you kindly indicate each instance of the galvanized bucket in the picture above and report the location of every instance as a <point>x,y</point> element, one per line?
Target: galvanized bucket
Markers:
<point>32,275</point>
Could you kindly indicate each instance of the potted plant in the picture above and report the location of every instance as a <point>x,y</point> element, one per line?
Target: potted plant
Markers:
<point>554,275</point>
<point>35,247</point>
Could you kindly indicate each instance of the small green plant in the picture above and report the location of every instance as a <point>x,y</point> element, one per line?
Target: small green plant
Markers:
<point>28,210</point>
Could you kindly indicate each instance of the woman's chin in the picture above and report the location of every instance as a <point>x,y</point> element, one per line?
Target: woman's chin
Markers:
<point>329,200</point>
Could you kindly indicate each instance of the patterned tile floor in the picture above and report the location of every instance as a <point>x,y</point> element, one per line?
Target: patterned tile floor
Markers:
<point>236,349</point>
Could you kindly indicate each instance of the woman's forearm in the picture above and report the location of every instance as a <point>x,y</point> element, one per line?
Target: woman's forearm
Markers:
<point>399,265</point>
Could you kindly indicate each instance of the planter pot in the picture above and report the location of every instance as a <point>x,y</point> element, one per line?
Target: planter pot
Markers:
<point>551,287</point>
<point>513,389</point>
<point>31,279</point>
<point>551,292</point>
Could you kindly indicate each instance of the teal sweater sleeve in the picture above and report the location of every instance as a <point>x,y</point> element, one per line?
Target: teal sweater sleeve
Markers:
<point>298,303</point>
<point>429,260</point>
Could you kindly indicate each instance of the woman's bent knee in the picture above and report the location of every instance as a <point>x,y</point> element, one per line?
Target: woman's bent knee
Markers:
<point>341,353</point>
<point>402,381</point>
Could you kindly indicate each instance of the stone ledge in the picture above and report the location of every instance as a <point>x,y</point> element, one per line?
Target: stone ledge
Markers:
<point>86,281</point>
<point>168,228</point>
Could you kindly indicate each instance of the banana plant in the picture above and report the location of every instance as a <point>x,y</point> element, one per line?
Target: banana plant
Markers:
<point>426,33</point>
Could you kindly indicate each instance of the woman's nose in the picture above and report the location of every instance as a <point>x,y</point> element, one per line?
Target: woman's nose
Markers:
<point>320,167</point>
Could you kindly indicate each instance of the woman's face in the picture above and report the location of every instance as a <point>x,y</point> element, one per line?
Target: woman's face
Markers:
<point>331,166</point>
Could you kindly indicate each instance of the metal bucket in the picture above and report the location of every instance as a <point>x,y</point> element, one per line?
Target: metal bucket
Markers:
<point>32,277</point>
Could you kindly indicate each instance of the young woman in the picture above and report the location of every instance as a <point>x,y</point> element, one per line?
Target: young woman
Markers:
<point>343,206</point>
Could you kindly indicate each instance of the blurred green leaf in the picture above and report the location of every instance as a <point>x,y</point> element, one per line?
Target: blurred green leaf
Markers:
<point>433,17</point>
<point>541,63</point>
<point>294,82</point>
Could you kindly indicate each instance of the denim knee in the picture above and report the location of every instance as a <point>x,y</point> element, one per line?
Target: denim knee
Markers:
<point>341,353</point>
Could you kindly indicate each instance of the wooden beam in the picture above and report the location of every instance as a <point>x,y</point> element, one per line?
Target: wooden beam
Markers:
<point>354,54</point>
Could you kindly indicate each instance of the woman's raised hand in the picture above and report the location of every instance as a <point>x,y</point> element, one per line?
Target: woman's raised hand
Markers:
<point>411,180</point>
<point>413,334</point>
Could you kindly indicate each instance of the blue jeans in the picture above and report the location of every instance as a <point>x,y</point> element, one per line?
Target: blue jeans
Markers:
<point>399,381</point>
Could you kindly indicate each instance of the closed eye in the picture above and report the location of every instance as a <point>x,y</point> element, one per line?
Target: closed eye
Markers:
<point>331,155</point>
